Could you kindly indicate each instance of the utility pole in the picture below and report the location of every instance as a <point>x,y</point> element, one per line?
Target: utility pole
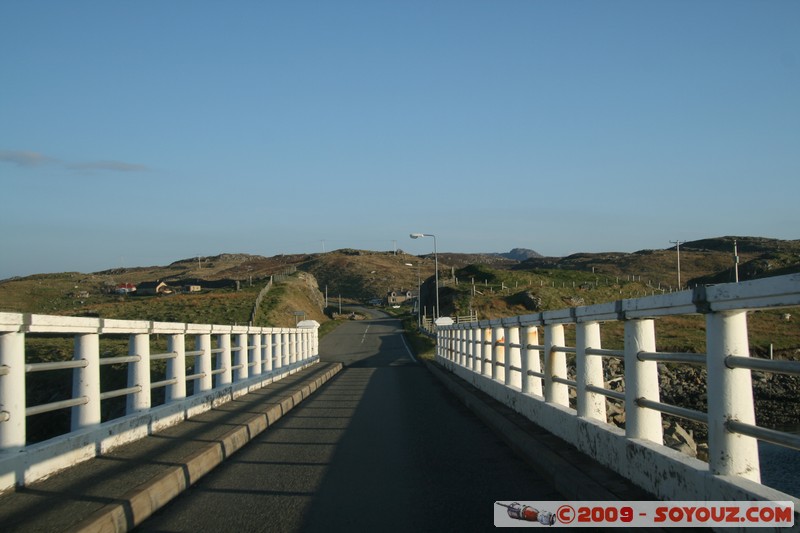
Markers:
<point>736,260</point>
<point>678,247</point>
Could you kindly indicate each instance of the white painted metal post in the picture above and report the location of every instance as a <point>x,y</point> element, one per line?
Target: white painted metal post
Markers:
<point>730,397</point>
<point>86,381</point>
<point>241,358</point>
<point>287,348</point>
<point>254,357</point>
<point>641,381</point>
<point>224,359</point>
<point>280,343</point>
<point>589,371</point>
<point>477,338</point>
<point>303,345</point>
<point>454,345</point>
<point>176,367</point>
<point>293,347</point>
<point>202,363</point>
<point>471,363</point>
<point>488,351</point>
<point>267,352</point>
<point>12,392</point>
<point>462,346</point>
<point>139,373</point>
<point>531,361</point>
<point>514,358</point>
<point>315,344</point>
<point>498,353</point>
<point>555,364</point>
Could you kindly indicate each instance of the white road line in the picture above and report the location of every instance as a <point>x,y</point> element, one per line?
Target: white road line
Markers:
<point>411,355</point>
<point>365,335</point>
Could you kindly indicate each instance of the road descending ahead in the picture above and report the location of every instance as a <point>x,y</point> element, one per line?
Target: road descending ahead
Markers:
<point>381,447</point>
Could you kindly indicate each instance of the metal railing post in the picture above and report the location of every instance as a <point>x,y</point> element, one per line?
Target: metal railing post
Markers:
<point>12,391</point>
<point>530,361</point>
<point>641,381</point>
<point>513,357</point>
<point>293,347</point>
<point>488,351</point>
<point>498,353</point>
<point>555,365</point>
<point>86,381</point>
<point>461,335</point>
<point>588,371</point>
<point>267,351</point>
<point>471,362</point>
<point>202,363</point>
<point>278,349</point>
<point>730,397</point>
<point>477,351</point>
<point>254,359</point>
<point>139,373</point>
<point>242,358</point>
<point>176,367</point>
<point>224,360</point>
<point>458,344</point>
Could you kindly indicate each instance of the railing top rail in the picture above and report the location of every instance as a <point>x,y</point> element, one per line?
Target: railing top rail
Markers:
<point>775,292</point>
<point>34,323</point>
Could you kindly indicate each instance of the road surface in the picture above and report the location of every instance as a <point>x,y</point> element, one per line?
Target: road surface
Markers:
<point>381,447</point>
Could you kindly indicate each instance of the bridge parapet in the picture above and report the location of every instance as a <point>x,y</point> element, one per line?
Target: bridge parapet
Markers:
<point>225,363</point>
<point>505,359</point>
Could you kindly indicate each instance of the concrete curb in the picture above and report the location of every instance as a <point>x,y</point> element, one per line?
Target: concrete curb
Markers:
<point>140,503</point>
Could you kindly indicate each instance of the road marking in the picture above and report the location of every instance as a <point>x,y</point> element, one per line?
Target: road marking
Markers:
<point>411,355</point>
<point>365,335</point>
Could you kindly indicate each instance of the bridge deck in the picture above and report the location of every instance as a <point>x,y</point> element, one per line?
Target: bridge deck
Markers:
<point>127,486</point>
<point>120,485</point>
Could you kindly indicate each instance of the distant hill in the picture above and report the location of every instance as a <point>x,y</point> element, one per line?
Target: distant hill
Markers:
<point>521,254</point>
<point>360,275</point>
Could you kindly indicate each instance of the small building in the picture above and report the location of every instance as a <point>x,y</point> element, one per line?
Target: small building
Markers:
<point>125,288</point>
<point>395,297</point>
<point>192,288</point>
<point>153,287</point>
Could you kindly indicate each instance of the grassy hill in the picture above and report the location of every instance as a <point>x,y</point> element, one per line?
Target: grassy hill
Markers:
<point>490,284</point>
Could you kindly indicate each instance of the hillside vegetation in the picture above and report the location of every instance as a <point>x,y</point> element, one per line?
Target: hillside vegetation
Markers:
<point>493,285</point>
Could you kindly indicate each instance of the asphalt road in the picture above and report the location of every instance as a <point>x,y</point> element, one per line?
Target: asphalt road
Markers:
<point>382,446</point>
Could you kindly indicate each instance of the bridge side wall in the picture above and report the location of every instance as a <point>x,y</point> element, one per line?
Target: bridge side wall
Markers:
<point>665,473</point>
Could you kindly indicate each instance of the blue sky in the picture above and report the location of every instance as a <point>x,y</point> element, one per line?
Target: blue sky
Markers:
<point>140,133</point>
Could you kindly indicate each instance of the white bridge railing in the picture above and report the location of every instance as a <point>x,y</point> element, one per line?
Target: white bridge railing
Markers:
<point>223,363</point>
<point>505,359</point>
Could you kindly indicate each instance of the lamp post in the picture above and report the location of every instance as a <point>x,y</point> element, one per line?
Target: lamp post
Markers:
<point>436,263</point>
<point>419,291</point>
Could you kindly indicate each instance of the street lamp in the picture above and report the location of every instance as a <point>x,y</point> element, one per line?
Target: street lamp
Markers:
<point>419,293</point>
<point>436,263</point>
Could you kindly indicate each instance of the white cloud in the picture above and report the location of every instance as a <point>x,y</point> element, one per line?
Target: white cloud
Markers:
<point>24,158</point>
